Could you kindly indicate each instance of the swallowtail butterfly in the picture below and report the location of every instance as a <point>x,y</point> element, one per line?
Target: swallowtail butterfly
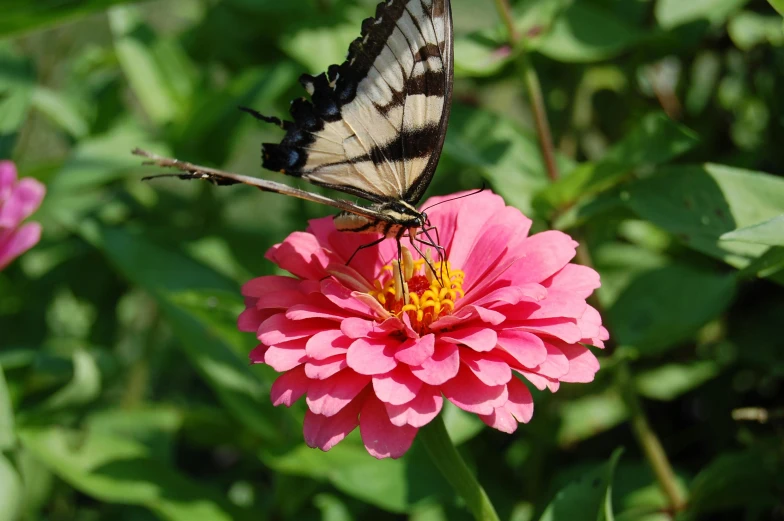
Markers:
<point>374,126</point>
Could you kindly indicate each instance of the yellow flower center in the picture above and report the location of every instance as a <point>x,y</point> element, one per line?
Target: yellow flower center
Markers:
<point>423,289</point>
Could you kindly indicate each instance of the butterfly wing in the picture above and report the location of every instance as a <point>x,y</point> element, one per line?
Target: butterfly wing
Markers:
<point>375,125</point>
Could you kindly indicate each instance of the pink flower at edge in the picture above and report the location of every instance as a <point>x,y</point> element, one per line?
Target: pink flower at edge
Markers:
<point>515,309</point>
<point>18,200</point>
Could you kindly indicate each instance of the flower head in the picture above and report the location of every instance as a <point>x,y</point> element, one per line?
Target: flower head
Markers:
<point>379,344</point>
<point>18,199</point>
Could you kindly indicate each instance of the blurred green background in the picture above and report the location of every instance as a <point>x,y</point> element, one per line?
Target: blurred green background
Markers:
<point>125,390</point>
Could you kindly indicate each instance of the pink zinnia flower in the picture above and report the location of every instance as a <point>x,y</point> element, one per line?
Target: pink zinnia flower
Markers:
<point>514,307</point>
<point>18,199</point>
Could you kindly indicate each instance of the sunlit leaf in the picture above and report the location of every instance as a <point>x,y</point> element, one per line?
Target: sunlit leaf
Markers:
<point>770,233</point>
<point>585,417</point>
<point>672,380</point>
<point>699,204</point>
<point>671,13</point>
<point>10,491</point>
<point>118,470</point>
<point>84,387</point>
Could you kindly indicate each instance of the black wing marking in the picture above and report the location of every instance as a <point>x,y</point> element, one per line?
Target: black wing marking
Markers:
<point>375,125</point>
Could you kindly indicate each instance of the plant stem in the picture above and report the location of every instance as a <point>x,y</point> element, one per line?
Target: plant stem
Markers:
<point>649,442</point>
<point>534,89</point>
<point>445,456</point>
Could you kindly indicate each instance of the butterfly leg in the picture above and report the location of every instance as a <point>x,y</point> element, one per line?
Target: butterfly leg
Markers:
<point>360,248</point>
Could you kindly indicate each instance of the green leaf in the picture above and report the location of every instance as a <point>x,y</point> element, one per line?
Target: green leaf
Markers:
<point>10,491</point>
<point>778,5</point>
<point>734,480</point>
<point>748,29</point>
<point>84,387</point>
<point>393,485</point>
<point>652,302</point>
<point>478,55</point>
<point>157,71</point>
<point>118,470</point>
<point>766,265</point>
<point>62,111</point>
<point>584,32</point>
<point>588,416</point>
<point>101,159</point>
<point>17,80</point>
<point>672,13</point>
<point>7,436</point>
<point>184,289</point>
<point>504,154</point>
<point>699,204</point>
<point>587,499</point>
<point>656,139</point>
<point>21,15</point>
<point>770,233</point>
<point>670,381</point>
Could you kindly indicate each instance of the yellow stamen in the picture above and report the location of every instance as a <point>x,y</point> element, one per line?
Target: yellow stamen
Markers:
<point>422,289</point>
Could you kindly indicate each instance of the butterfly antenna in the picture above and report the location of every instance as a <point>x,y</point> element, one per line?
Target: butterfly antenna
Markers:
<point>484,187</point>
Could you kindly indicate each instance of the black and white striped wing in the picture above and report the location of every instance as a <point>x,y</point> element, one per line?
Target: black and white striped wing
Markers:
<point>375,125</point>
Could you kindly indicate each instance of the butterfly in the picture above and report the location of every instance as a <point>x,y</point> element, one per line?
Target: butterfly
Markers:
<point>373,126</point>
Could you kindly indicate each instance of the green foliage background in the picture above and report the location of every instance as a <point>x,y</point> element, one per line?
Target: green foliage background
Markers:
<point>125,390</point>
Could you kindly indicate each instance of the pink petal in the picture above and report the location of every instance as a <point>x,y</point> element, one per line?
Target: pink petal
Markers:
<point>7,178</point>
<point>349,277</point>
<point>282,299</point>
<point>251,318</point>
<point>257,354</point>
<point>506,296</point>
<point>583,365</point>
<point>323,369</point>
<point>555,366</point>
<point>383,439</point>
<point>367,261</point>
<point>327,344</point>
<point>330,396</point>
<point>324,432</point>
<point>17,242</point>
<point>590,324</point>
<point>469,393</point>
<point>418,412</point>
<point>441,367</point>
<point>415,351</point>
<point>261,286</point>
<point>286,355</point>
<point>577,279</point>
<point>526,348</point>
<point>489,369</point>
<point>557,304</point>
<point>397,387</point>
<point>519,408</point>
<point>469,314</point>
<point>356,327</point>
<point>289,387</point>
<point>540,257</point>
<point>372,356</point>
<point>24,199</point>
<point>563,328</point>
<point>278,328</point>
<point>305,311</point>
<point>343,299</point>
<point>480,339</point>
<point>301,255</point>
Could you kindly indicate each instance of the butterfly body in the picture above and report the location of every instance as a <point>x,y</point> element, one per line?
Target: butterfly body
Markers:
<point>396,218</point>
